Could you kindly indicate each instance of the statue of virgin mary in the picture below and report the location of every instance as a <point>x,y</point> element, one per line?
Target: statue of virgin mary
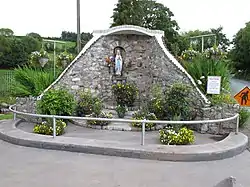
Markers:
<point>118,63</point>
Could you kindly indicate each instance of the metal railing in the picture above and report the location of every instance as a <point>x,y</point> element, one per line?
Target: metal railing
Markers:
<point>54,117</point>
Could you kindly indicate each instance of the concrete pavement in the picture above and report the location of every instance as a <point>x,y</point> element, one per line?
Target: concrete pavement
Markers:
<point>31,167</point>
<point>228,147</point>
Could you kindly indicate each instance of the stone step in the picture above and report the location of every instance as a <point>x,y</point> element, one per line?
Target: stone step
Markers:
<point>111,107</point>
<point>128,114</point>
<point>118,126</point>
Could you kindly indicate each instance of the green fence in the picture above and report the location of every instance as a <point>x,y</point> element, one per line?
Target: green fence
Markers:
<point>6,80</point>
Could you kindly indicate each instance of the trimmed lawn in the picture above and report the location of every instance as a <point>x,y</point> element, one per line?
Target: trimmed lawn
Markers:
<point>6,116</point>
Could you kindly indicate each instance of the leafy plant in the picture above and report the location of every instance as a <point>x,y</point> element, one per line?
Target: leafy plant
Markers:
<point>189,54</point>
<point>178,102</point>
<point>125,94</point>
<point>88,104</point>
<point>39,54</point>
<point>201,67</point>
<point>215,53</point>
<point>101,115</point>
<point>169,136</point>
<point>244,116</point>
<point>64,58</point>
<point>121,110</point>
<point>222,98</point>
<point>141,115</point>
<point>156,103</point>
<point>46,128</point>
<point>56,102</point>
<point>30,81</point>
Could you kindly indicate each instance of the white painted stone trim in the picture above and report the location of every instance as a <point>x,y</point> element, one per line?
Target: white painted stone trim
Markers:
<point>87,46</point>
<point>129,28</point>
<point>156,33</point>
<point>172,58</point>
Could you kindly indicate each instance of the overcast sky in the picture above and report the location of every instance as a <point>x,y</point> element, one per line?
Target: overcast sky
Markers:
<point>50,17</point>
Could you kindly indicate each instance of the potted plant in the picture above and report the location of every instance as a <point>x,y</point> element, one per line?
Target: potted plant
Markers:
<point>64,58</point>
<point>121,110</point>
<point>40,56</point>
<point>44,57</point>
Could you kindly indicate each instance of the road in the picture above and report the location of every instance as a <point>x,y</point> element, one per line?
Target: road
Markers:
<point>30,167</point>
<point>237,85</point>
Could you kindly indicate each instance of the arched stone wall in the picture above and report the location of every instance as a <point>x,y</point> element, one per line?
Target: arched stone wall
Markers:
<point>145,65</point>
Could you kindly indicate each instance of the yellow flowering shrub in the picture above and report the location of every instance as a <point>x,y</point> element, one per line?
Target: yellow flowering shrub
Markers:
<point>169,136</point>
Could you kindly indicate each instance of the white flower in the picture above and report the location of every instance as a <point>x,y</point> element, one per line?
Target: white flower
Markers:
<point>202,77</point>
<point>199,82</point>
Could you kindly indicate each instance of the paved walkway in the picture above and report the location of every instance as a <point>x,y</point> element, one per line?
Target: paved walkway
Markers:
<point>151,137</point>
<point>30,167</point>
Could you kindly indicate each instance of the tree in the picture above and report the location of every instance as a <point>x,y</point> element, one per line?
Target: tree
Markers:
<point>185,40</point>
<point>68,36</point>
<point>6,32</point>
<point>31,44</point>
<point>71,36</point>
<point>148,14</point>
<point>221,38</point>
<point>12,54</point>
<point>15,51</point>
<point>35,35</point>
<point>241,51</point>
<point>85,37</point>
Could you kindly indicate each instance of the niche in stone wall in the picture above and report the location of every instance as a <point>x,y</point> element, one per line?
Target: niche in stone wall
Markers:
<point>122,51</point>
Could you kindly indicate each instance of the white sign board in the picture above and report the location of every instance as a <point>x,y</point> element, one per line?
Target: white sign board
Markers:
<point>213,84</point>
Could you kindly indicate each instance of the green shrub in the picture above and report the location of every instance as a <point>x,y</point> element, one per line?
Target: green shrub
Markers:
<point>244,115</point>
<point>56,102</point>
<point>141,115</point>
<point>169,136</point>
<point>46,128</point>
<point>156,103</point>
<point>121,110</point>
<point>218,99</point>
<point>178,102</point>
<point>88,104</point>
<point>30,81</point>
<point>101,115</point>
<point>125,94</point>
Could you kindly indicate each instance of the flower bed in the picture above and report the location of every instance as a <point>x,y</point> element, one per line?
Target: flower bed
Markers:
<point>46,128</point>
<point>101,115</point>
<point>170,136</point>
<point>140,115</point>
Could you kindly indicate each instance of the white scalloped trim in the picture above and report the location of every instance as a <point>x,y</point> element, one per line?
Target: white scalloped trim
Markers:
<point>176,63</point>
<point>93,40</point>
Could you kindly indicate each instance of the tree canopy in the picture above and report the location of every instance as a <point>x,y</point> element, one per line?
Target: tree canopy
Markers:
<point>6,32</point>
<point>14,51</point>
<point>220,38</point>
<point>241,51</point>
<point>148,14</point>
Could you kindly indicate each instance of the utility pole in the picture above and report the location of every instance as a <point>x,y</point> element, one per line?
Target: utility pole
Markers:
<point>78,27</point>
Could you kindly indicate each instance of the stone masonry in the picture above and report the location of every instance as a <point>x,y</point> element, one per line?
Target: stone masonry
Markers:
<point>145,64</point>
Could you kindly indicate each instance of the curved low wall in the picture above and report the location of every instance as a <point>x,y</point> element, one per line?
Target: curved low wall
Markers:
<point>229,147</point>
